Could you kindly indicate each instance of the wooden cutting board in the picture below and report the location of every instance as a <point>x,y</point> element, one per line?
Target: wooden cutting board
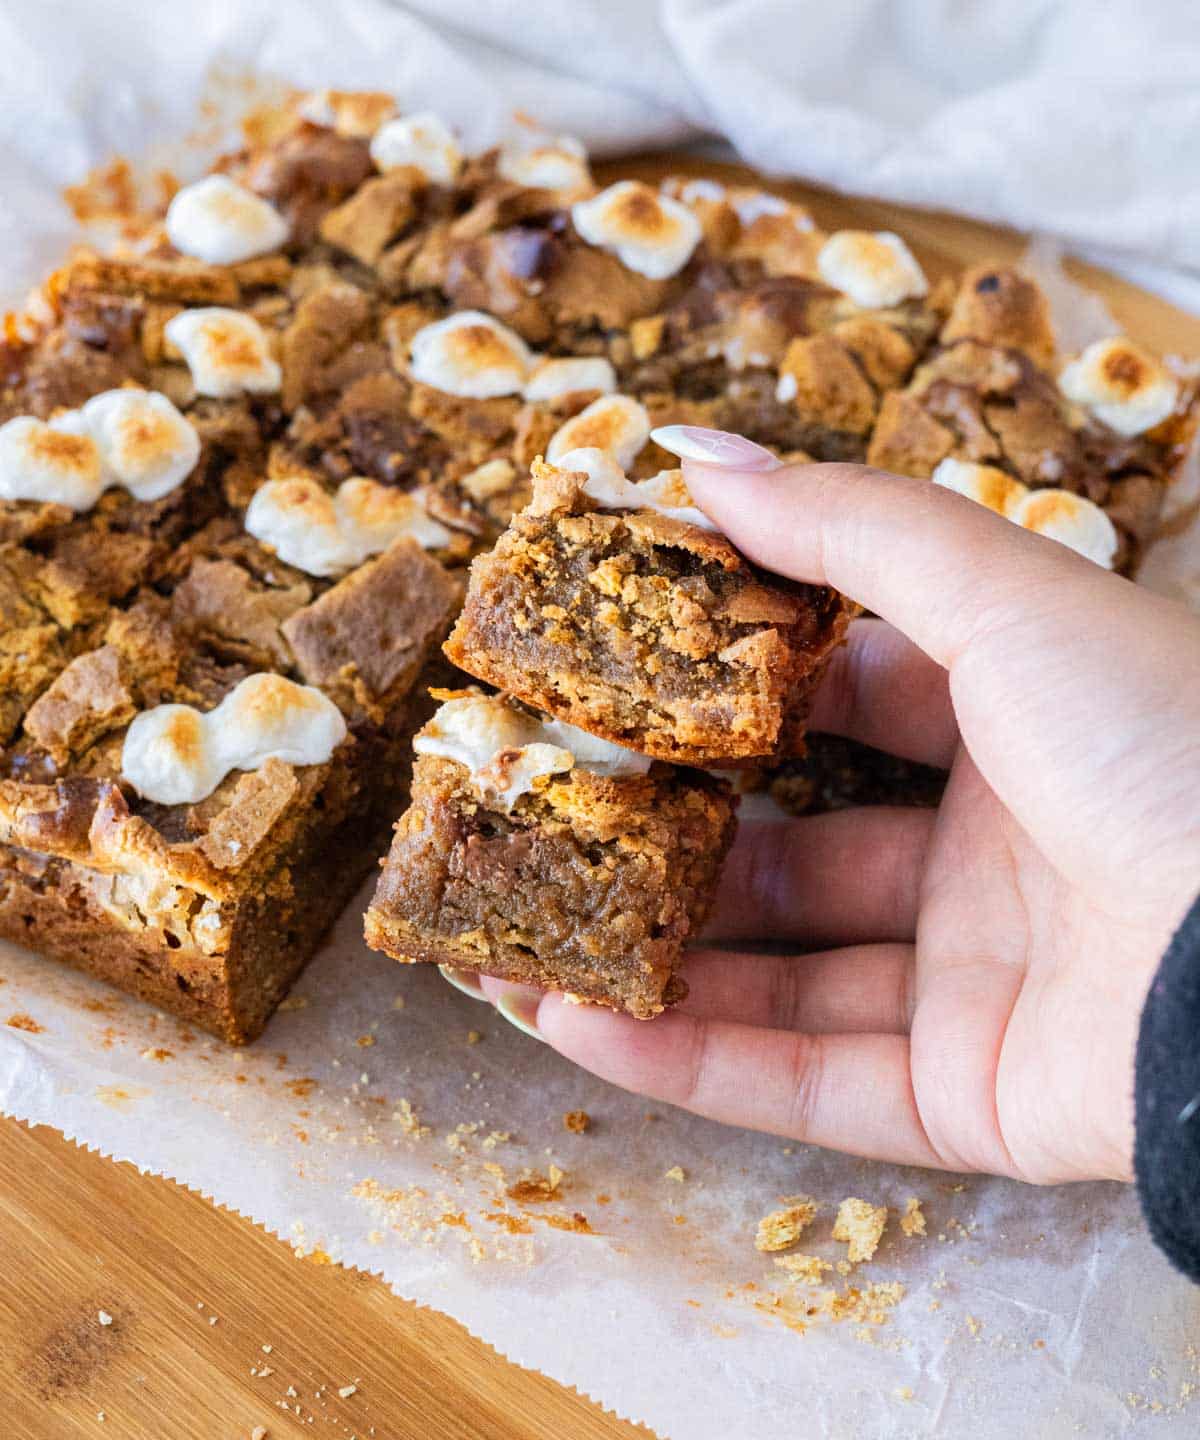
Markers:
<point>195,1294</point>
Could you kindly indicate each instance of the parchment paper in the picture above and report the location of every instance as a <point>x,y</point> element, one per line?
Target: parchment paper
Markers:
<point>383,1118</point>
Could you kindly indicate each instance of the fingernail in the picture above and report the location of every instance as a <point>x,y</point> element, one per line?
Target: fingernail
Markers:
<point>714,447</point>
<point>459,979</point>
<point>521,1011</point>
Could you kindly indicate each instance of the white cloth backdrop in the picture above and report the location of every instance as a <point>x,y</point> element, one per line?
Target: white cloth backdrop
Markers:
<point>1075,117</point>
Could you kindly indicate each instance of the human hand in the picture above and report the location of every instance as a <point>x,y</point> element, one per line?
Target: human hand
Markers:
<point>968,982</point>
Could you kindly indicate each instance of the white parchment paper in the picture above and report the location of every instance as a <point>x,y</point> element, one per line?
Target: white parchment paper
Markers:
<point>383,1119</point>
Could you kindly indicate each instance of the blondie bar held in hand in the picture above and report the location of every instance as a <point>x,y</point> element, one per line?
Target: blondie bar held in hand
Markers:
<point>615,606</point>
<point>540,854</point>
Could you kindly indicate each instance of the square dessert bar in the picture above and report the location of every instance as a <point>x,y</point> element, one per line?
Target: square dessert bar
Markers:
<point>537,853</point>
<point>623,615</point>
<point>185,824</point>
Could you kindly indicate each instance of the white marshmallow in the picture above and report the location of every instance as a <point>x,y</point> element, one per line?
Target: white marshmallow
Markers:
<point>985,484</point>
<point>133,438</point>
<point>506,751</point>
<point>1072,520</point>
<point>327,535</point>
<point>693,192</point>
<point>227,352</point>
<point>470,353</point>
<point>608,485</point>
<point>617,424</point>
<point>145,443</point>
<point>541,161</point>
<point>221,222</point>
<point>423,141</point>
<point>876,270</point>
<point>56,463</point>
<point>349,112</point>
<point>1124,387</point>
<point>752,205</point>
<point>552,378</point>
<point>176,755</point>
<point>649,232</point>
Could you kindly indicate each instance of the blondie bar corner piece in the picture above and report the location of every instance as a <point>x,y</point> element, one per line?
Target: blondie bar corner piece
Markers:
<point>541,854</point>
<point>613,605</point>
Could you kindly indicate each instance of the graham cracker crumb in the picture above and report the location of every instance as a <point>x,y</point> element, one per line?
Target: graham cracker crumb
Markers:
<point>406,1117</point>
<point>398,1003</point>
<point>294,1002</point>
<point>576,1121</point>
<point>808,1269</point>
<point>912,1222</point>
<point>676,1173</point>
<point>536,1189</point>
<point>21,1021</point>
<point>473,1037</point>
<point>782,1228</point>
<point>860,1224</point>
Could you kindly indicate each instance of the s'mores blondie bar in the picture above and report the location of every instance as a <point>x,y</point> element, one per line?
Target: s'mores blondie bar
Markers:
<point>538,853</point>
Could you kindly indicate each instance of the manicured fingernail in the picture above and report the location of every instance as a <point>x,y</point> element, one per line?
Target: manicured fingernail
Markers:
<point>521,1011</point>
<point>714,447</point>
<point>461,980</point>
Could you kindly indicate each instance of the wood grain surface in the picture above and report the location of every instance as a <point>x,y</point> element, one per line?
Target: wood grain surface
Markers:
<point>195,1294</point>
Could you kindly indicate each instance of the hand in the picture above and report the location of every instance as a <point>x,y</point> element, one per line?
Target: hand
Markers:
<point>968,982</point>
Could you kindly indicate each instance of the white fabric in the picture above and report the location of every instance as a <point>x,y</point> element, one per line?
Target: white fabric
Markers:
<point>1076,117</point>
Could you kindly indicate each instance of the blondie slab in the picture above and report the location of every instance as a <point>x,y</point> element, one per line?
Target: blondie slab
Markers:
<point>624,616</point>
<point>539,854</point>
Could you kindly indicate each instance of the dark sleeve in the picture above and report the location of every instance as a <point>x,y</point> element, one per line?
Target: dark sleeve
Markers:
<point>1167,1144</point>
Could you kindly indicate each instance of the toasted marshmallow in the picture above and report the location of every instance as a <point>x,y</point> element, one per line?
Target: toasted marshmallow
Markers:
<point>616,424</point>
<point>1072,520</point>
<point>542,161</point>
<point>985,484</point>
<point>327,535</point>
<point>423,141</point>
<point>176,755</point>
<point>875,270</point>
<point>145,444</point>
<point>572,376</point>
<point>227,352</point>
<point>507,751</point>
<point>221,222</point>
<point>470,353</point>
<point>133,438</point>
<point>57,463</point>
<point>354,113</point>
<point>649,232</point>
<point>611,489</point>
<point>1124,387</point>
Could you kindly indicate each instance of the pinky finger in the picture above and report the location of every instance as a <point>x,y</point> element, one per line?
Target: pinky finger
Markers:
<point>845,1092</point>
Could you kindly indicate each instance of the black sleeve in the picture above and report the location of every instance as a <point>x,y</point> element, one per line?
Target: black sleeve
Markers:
<point>1167,1144</point>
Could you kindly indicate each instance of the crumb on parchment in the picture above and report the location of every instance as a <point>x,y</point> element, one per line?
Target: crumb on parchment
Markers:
<point>860,1224</point>
<point>808,1269</point>
<point>784,1227</point>
<point>676,1173</point>
<point>912,1222</point>
<point>576,1121</point>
